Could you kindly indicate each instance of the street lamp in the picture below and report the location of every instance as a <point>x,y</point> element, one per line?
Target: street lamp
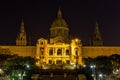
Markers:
<point>93,71</point>
<point>92,66</point>
<point>28,66</point>
<point>76,51</point>
<point>77,57</point>
<point>100,76</point>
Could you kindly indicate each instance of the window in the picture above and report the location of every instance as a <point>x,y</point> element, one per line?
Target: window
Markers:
<point>67,52</point>
<point>42,50</point>
<point>67,61</point>
<point>51,51</point>
<point>41,43</point>
<point>41,57</point>
<point>76,57</point>
<point>21,38</point>
<point>59,31</point>
<point>59,52</point>
<point>59,61</point>
<point>50,61</point>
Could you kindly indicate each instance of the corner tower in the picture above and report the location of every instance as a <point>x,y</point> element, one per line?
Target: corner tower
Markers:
<point>59,31</point>
<point>97,39</point>
<point>21,37</point>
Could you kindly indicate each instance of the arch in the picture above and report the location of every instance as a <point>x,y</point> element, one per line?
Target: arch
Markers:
<point>59,51</point>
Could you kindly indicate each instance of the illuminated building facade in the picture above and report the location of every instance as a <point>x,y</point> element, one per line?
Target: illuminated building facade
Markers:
<point>59,48</point>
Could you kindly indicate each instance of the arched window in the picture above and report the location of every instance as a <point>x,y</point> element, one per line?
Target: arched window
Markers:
<point>42,50</point>
<point>50,61</point>
<point>41,43</point>
<point>67,52</point>
<point>59,52</point>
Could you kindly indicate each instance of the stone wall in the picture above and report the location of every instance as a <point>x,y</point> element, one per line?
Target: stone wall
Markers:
<point>88,51</point>
<point>19,50</point>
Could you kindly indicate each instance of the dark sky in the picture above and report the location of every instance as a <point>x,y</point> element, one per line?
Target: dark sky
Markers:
<point>80,15</point>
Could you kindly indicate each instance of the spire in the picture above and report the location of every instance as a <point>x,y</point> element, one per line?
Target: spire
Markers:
<point>21,39</point>
<point>59,15</point>
<point>97,39</point>
<point>22,29</point>
<point>97,28</point>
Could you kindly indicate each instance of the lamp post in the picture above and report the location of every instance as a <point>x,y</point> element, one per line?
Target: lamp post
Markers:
<point>76,63</point>
<point>100,76</point>
<point>76,53</point>
<point>93,71</point>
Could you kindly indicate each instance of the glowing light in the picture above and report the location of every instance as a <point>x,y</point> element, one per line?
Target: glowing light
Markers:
<point>92,66</point>
<point>93,75</point>
<point>100,75</point>
<point>20,75</point>
<point>28,66</point>
<point>72,63</point>
<point>76,40</point>
<point>84,65</point>
<point>1,71</point>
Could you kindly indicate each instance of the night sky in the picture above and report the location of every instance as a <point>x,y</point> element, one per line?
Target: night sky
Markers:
<point>80,16</point>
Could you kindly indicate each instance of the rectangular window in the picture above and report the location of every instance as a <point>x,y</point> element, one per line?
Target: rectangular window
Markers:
<point>67,61</point>
<point>67,52</point>
<point>51,52</point>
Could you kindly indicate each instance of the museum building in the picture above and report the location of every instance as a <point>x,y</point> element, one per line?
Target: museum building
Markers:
<point>59,48</point>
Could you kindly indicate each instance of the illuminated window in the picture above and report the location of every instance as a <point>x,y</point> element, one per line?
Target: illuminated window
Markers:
<point>51,51</point>
<point>42,50</point>
<point>59,52</point>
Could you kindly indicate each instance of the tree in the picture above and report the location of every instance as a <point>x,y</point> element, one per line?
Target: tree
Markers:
<point>115,60</point>
<point>103,64</point>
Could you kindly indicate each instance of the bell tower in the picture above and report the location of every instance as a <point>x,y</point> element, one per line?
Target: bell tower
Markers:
<point>21,37</point>
<point>97,39</point>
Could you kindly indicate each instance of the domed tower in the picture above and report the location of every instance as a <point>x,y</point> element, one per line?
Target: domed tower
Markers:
<point>59,31</point>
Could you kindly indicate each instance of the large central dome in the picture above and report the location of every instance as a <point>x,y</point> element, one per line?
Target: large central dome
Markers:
<point>59,21</point>
<point>59,30</point>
